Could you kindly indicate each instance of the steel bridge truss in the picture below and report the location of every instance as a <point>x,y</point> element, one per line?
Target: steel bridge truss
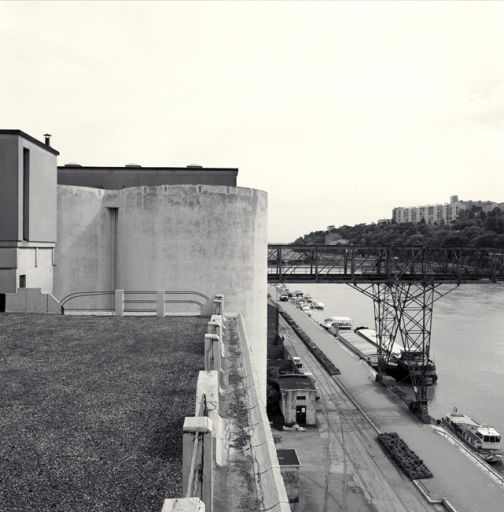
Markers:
<point>403,282</point>
<point>328,263</point>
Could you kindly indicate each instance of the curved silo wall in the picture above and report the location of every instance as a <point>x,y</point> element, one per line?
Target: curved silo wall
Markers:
<point>211,239</point>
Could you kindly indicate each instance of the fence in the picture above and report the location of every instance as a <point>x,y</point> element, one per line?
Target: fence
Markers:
<point>145,302</point>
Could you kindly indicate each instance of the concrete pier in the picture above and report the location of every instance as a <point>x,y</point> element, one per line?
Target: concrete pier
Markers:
<point>457,477</point>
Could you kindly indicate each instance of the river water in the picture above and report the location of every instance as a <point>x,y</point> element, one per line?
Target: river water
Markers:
<point>467,344</point>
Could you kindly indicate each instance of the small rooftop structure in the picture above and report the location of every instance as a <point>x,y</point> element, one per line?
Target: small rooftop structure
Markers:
<point>44,145</point>
<point>287,457</point>
<point>289,466</point>
<point>294,381</point>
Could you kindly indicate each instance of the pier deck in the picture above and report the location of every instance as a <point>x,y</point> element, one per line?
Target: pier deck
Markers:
<point>456,476</point>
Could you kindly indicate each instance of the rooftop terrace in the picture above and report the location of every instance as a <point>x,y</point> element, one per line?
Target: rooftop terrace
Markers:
<point>92,410</point>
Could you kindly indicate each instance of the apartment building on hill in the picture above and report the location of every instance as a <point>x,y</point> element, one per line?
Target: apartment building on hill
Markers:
<point>440,213</point>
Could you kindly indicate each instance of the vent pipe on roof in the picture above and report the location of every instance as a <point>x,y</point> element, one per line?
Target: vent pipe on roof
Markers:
<point>47,139</point>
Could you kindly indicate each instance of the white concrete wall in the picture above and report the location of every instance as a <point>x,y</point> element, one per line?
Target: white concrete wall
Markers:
<point>84,252</point>
<point>31,300</point>
<point>37,264</point>
<point>269,482</point>
<point>42,200</point>
<point>210,239</point>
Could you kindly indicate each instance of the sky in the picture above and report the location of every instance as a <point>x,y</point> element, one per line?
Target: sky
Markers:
<point>340,111</point>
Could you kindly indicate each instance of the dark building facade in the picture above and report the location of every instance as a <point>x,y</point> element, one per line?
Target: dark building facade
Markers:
<point>115,178</point>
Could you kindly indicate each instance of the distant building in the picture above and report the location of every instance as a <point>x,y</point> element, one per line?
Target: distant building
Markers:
<point>439,213</point>
<point>383,221</point>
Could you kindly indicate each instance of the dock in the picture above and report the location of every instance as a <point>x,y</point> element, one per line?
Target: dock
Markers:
<point>459,479</point>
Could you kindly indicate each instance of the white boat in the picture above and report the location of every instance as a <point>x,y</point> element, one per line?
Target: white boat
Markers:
<point>337,323</point>
<point>483,439</point>
<point>327,322</point>
<point>342,323</point>
<point>318,305</point>
<point>298,294</point>
<point>307,309</point>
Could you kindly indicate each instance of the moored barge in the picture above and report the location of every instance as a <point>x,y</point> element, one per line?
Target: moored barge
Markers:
<point>483,439</point>
<point>403,364</point>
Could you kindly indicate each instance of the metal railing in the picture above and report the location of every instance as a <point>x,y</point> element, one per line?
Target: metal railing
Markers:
<point>77,295</point>
<point>131,298</point>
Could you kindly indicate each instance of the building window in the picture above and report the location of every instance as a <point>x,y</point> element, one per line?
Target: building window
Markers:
<point>301,397</point>
<point>22,281</point>
<point>26,194</point>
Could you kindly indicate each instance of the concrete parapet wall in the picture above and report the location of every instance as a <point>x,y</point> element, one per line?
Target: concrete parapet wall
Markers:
<point>207,393</point>
<point>207,422</point>
<point>269,481</point>
<point>183,505</point>
<point>31,300</point>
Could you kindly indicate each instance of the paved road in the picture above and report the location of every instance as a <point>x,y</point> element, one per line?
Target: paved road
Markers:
<point>360,477</point>
<point>456,476</point>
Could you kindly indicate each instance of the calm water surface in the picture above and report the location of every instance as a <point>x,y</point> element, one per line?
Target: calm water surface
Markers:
<point>467,344</point>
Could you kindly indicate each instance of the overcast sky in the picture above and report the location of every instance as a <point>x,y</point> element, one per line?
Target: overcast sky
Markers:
<point>340,111</point>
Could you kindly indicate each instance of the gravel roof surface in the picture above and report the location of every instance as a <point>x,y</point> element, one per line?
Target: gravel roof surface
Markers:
<point>92,408</point>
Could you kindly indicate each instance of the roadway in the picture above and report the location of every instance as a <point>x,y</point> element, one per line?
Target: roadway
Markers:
<point>342,466</point>
<point>456,476</point>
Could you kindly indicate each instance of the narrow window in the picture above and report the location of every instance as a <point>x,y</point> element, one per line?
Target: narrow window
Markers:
<point>114,213</point>
<point>22,281</point>
<point>26,193</point>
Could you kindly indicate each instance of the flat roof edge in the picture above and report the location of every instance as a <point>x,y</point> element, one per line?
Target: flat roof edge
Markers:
<point>140,168</point>
<point>35,141</point>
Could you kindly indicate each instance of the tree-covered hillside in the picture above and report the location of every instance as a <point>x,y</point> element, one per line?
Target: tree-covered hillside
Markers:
<point>474,228</point>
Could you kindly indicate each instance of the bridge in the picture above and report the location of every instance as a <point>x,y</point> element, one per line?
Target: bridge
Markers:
<point>404,282</point>
<point>367,264</point>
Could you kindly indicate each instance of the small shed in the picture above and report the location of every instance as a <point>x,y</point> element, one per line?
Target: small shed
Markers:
<point>298,395</point>
<point>289,466</point>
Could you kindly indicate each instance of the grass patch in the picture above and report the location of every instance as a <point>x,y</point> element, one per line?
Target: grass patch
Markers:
<point>92,408</point>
